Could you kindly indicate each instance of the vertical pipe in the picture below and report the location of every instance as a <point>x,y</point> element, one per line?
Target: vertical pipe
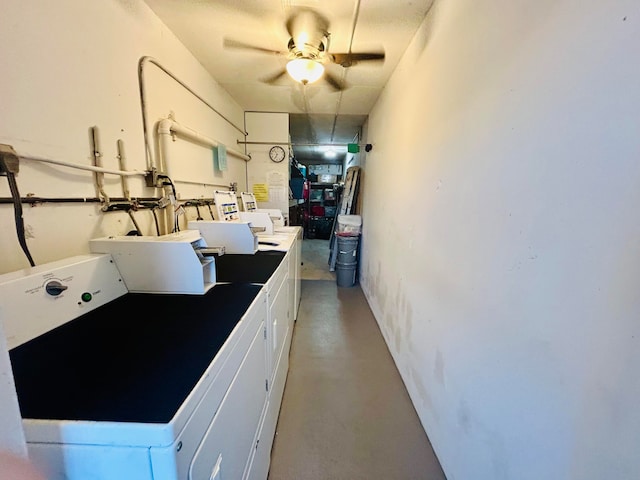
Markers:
<point>164,139</point>
<point>143,102</point>
<point>354,22</point>
<point>123,166</point>
<point>97,162</point>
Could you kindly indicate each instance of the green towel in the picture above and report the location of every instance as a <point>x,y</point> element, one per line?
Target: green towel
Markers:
<point>220,157</point>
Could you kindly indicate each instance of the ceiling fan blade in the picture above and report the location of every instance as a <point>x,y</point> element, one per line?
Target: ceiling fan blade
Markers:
<point>229,43</point>
<point>275,77</point>
<point>334,82</point>
<point>350,59</point>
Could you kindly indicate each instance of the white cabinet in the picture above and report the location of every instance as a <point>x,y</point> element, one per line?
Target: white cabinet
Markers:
<point>279,333</point>
<point>228,445</point>
<point>214,430</point>
<point>284,298</point>
<point>278,342</point>
<point>295,263</point>
<point>225,426</point>
<point>11,435</point>
<point>279,324</point>
<point>297,273</point>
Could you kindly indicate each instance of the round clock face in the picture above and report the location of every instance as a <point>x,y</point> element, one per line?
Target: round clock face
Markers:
<point>277,154</point>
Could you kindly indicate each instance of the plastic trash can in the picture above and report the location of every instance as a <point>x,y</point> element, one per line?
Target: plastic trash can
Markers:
<point>347,260</point>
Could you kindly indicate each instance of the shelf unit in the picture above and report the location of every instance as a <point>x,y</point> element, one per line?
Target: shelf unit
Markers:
<point>320,210</point>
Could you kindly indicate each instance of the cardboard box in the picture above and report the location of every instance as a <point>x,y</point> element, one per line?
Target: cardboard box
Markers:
<point>327,178</point>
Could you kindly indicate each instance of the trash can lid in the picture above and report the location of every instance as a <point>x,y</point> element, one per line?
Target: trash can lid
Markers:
<point>353,220</point>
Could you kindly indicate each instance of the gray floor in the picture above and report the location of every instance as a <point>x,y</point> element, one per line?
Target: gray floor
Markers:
<point>345,412</point>
<point>315,260</point>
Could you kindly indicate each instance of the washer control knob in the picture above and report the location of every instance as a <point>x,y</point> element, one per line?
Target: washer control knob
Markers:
<point>55,288</point>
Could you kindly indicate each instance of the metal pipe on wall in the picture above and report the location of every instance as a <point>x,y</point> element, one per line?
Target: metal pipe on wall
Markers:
<point>89,168</point>
<point>354,22</point>
<point>143,100</point>
<point>167,127</point>
<point>97,160</point>
<point>204,184</point>
<point>122,162</point>
<point>32,200</point>
<point>296,144</point>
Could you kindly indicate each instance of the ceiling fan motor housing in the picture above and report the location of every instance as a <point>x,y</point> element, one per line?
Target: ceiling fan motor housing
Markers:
<point>307,51</point>
<point>309,33</point>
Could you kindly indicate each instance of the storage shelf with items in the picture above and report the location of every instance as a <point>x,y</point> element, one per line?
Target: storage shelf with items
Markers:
<point>321,210</point>
<point>298,186</point>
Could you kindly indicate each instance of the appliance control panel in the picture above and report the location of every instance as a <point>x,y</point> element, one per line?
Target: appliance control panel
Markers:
<point>38,299</point>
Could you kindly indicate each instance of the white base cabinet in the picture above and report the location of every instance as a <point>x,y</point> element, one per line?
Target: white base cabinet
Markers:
<point>224,431</point>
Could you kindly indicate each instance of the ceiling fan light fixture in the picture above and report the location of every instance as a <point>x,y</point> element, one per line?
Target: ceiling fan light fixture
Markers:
<point>305,70</point>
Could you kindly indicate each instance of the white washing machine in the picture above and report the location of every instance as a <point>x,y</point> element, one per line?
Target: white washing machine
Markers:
<point>119,385</point>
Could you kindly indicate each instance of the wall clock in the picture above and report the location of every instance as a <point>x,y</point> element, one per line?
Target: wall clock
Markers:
<point>277,153</point>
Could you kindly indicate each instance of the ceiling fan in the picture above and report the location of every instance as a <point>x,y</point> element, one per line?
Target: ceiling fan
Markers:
<point>308,51</point>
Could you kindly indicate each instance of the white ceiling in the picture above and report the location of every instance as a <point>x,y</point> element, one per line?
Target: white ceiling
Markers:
<point>322,115</point>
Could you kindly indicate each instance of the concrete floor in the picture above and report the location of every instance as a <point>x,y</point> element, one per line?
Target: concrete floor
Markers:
<point>315,260</point>
<point>345,414</point>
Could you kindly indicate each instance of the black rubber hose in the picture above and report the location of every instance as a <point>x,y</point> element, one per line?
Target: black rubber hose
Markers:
<point>17,211</point>
<point>155,219</point>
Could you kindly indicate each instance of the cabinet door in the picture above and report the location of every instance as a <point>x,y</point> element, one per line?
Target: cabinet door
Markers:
<point>279,318</point>
<point>229,442</point>
<point>295,259</point>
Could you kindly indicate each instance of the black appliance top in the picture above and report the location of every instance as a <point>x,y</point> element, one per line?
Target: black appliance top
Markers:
<point>135,359</point>
<point>256,268</point>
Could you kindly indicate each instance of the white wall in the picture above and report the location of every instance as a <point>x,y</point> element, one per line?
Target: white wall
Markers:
<point>507,291</point>
<point>269,129</point>
<point>70,65</point>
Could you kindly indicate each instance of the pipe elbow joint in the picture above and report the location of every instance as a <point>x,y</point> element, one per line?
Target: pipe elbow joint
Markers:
<point>164,126</point>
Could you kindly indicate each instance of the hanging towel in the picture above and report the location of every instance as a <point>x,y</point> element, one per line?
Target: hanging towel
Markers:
<point>220,157</point>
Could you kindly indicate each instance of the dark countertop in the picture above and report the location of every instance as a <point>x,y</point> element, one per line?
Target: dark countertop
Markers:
<point>256,268</point>
<point>135,359</point>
